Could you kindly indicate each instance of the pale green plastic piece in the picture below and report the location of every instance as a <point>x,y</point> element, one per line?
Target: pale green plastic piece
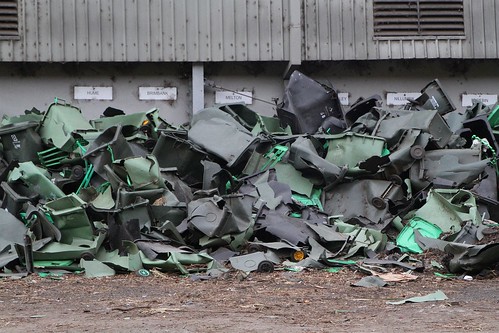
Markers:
<point>448,209</point>
<point>59,124</point>
<point>61,251</point>
<point>352,148</point>
<point>143,172</point>
<point>70,218</point>
<point>95,268</point>
<point>363,238</point>
<point>130,262</point>
<point>137,120</point>
<point>177,261</point>
<point>37,179</point>
<point>434,297</point>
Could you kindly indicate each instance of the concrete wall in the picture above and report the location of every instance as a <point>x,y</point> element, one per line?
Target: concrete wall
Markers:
<point>24,86</point>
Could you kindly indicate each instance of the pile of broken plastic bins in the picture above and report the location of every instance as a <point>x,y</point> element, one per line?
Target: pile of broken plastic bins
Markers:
<point>315,186</point>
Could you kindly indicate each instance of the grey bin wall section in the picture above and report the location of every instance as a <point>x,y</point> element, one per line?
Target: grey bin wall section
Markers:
<point>229,30</point>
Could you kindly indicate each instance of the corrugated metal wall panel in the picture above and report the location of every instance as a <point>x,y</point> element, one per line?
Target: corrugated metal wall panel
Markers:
<point>346,33</point>
<point>228,30</point>
<point>150,30</point>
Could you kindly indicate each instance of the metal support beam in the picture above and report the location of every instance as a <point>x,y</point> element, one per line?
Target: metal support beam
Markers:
<point>197,87</point>
<point>295,37</point>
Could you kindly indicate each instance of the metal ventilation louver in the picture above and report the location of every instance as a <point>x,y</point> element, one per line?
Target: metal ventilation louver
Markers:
<point>396,18</point>
<point>9,20</point>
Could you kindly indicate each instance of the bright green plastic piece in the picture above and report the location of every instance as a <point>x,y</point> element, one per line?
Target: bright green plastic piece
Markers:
<point>274,156</point>
<point>406,239</point>
<point>313,200</point>
<point>493,117</point>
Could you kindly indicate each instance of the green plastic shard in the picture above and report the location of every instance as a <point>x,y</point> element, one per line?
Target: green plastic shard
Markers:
<point>52,264</point>
<point>135,120</point>
<point>143,172</point>
<point>178,261</point>
<point>360,238</point>
<point>333,269</point>
<point>434,297</point>
<point>352,148</point>
<point>70,218</point>
<point>130,262</point>
<point>37,179</point>
<point>313,200</point>
<point>274,155</point>
<point>95,268</point>
<point>60,123</point>
<point>493,117</point>
<point>406,239</point>
<point>61,251</point>
<point>104,200</point>
<point>449,209</point>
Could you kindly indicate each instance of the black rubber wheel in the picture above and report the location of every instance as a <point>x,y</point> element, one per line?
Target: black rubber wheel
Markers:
<point>87,256</point>
<point>266,267</point>
<point>77,172</point>
<point>252,248</point>
<point>417,152</point>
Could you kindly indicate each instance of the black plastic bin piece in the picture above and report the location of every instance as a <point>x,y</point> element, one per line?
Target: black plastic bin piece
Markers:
<point>15,196</point>
<point>111,145</point>
<point>21,142</point>
<point>307,103</point>
<point>174,151</point>
<point>433,97</point>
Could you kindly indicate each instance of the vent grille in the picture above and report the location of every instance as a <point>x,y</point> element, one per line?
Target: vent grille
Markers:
<point>393,18</point>
<point>9,19</point>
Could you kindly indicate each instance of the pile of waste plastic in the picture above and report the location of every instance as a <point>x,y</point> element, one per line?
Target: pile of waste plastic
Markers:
<point>316,186</point>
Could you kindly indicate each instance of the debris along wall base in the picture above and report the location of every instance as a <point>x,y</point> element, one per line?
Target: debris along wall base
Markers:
<point>234,189</point>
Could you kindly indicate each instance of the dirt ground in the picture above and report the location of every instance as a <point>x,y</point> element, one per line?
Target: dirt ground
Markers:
<point>282,301</point>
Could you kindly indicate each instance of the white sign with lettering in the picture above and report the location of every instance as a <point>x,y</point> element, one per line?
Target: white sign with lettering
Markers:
<point>343,98</point>
<point>487,99</point>
<point>97,93</point>
<point>158,93</point>
<point>227,97</point>
<point>400,98</point>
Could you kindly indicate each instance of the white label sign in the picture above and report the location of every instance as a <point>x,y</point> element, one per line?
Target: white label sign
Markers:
<point>158,93</point>
<point>98,93</point>
<point>343,98</point>
<point>227,97</point>
<point>400,98</point>
<point>489,99</point>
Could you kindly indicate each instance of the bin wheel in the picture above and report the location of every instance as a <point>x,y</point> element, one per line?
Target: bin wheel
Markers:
<point>417,152</point>
<point>77,172</point>
<point>252,248</point>
<point>266,267</point>
<point>378,202</point>
<point>396,179</point>
<point>87,256</point>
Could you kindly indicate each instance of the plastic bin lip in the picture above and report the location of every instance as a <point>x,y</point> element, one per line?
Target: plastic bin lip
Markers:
<point>17,127</point>
<point>104,145</point>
